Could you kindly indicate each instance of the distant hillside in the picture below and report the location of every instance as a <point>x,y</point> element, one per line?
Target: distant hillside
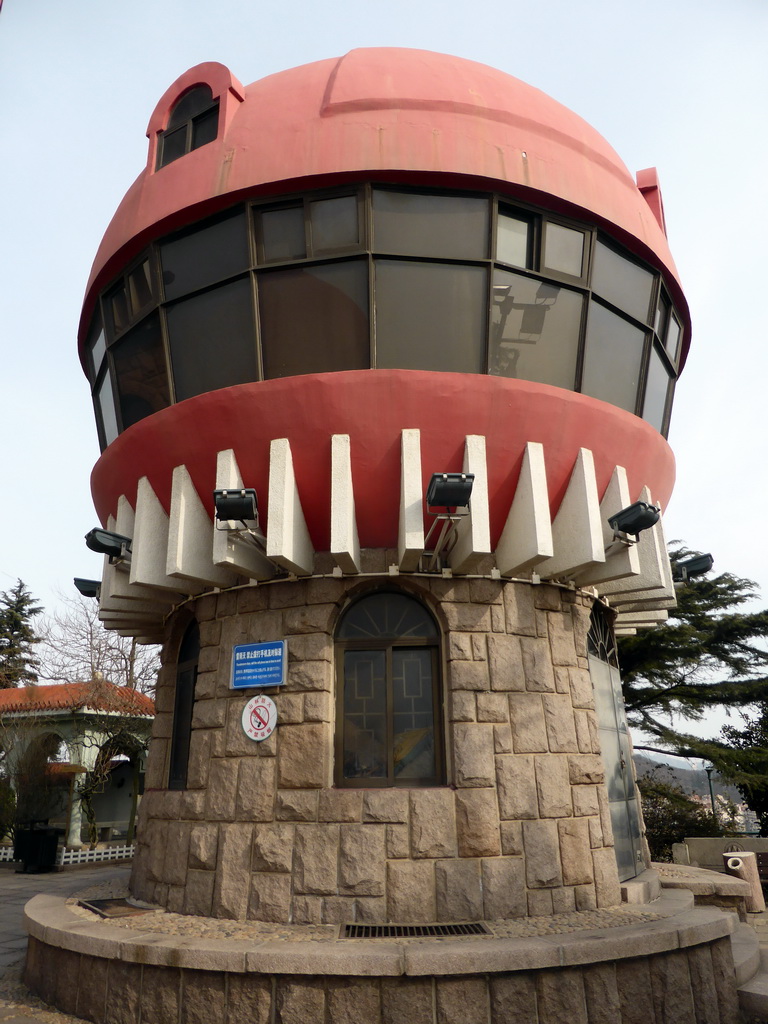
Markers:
<point>690,780</point>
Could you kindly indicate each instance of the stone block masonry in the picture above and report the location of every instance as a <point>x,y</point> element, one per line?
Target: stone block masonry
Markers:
<point>261,832</point>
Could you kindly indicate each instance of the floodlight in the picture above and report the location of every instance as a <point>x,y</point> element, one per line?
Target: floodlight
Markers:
<point>634,518</point>
<point>115,546</point>
<point>236,504</point>
<point>88,588</point>
<point>695,566</point>
<point>450,489</point>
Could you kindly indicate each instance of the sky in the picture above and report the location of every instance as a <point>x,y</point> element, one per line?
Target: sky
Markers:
<point>680,85</point>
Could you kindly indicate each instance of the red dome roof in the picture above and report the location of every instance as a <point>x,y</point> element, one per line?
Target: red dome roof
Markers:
<point>388,114</point>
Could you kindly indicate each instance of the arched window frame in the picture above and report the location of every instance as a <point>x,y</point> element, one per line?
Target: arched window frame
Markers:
<point>193,130</point>
<point>183,706</point>
<point>388,645</point>
<point>226,90</point>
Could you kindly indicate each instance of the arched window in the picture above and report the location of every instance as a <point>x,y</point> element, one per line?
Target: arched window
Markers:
<point>194,121</point>
<point>186,675</point>
<point>389,719</point>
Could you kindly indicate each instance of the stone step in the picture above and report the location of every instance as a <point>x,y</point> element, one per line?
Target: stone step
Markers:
<point>746,954</point>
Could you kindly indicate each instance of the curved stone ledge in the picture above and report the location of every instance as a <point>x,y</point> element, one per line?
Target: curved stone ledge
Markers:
<point>52,922</point>
<point>677,968</point>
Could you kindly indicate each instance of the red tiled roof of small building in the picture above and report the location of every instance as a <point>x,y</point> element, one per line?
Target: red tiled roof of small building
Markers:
<point>98,695</point>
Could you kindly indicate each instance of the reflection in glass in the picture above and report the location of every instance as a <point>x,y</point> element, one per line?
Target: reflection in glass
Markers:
<point>656,390</point>
<point>211,253</point>
<point>97,347</point>
<point>622,283</point>
<point>174,145</point>
<point>513,240</point>
<point>282,234</point>
<point>205,128</point>
<point>333,223</point>
<point>314,319</point>
<point>365,720</point>
<point>672,341</point>
<point>142,381</point>
<point>105,401</point>
<point>451,227</point>
<point>662,312</point>
<point>212,339</point>
<point>430,316</point>
<point>563,249</point>
<point>534,330</point>
<point>193,102</point>
<point>412,713</point>
<point>117,305</point>
<point>140,287</point>
<point>612,359</point>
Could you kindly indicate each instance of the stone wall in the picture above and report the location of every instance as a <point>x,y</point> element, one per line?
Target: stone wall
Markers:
<point>521,828</point>
<point>684,986</point>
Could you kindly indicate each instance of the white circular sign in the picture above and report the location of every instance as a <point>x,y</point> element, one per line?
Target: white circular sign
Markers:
<point>259,717</point>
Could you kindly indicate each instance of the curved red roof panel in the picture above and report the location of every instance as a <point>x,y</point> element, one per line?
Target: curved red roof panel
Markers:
<point>98,695</point>
<point>387,114</point>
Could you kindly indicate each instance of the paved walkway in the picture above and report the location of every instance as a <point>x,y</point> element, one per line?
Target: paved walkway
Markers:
<point>15,891</point>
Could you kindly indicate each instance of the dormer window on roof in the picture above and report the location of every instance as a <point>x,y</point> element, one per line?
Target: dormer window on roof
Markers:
<point>194,121</point>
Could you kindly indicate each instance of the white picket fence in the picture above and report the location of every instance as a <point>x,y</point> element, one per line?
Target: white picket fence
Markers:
<point>65,857</point>
<point>86,856</point>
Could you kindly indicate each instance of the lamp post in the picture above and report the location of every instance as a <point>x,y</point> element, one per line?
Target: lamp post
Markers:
<point>709,771</point>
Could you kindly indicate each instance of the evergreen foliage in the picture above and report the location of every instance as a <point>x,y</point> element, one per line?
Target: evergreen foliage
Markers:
<point>18,664</point>
<point>751,750</point>
<point>710,653</point>
<point>670,815</point>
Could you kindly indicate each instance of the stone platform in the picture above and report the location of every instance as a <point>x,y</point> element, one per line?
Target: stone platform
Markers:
<point>664,963</point>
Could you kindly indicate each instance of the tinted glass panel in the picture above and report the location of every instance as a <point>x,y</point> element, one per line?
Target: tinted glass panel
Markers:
<point>513,240</point>
<point>212,339</point>
<point>413,731</point>
<point>173,145</point>
<point>656,389</point>
<point>97,348</point>
<point>622,283</point>
<point>205,127</point>
<point>614,352</point>
<point>282,234</point>
<point>314,319</point>
<point>333,223</point>
<point>387,615</point>
<point>430,316</point>
<point>534,330</point>
<point>117,306</point>
<point>365,718</point>
<point>140,287</point>
<point>106,405</point>
<point>563,249</point>
<point>191,103</point>
<point>211,254</point>
<point>672,341</point>
<point>662,313</point>
<point>142,383</point>
<point>418,225</point>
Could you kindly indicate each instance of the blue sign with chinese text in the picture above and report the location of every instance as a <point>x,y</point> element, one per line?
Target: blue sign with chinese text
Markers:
<point>258,665</point>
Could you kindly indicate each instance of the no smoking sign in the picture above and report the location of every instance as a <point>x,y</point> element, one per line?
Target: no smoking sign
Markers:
<point>259,717</point>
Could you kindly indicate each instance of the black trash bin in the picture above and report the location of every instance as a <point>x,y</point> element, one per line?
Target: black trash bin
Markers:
<point>35,846</point>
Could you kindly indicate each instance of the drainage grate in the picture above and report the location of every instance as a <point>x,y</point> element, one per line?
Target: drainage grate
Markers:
<point>411,931</point>
<point>113,908</point>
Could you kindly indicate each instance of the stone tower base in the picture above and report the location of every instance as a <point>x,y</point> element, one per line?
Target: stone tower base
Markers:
<point>674,965</point>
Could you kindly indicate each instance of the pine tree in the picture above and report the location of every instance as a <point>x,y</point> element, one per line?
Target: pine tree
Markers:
<point>750,754</point>
<point>18,664</point>
<point>709,654</point>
